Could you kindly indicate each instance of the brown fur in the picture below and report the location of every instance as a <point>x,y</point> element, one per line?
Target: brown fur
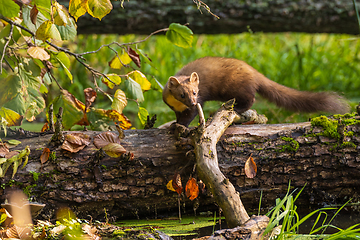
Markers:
<point>216,78</point>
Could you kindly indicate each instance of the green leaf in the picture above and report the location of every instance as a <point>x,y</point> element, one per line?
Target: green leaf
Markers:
<point>180,35</point>
<point>9,8</point>
<point>141,79</point>
<point>120,101</point>
<point>44,7</point>
<point>142,114</point>
<point>43,89</point>
<point>145,58</point>
<point>68,32</point>
<point>64,62</point>
<point>40,19</point>
<point>134,89</point>
<point>10,86</point>
<point>156,84</point>
<point>14,142</point>
<point>73,109</point>
<point>68,73</point>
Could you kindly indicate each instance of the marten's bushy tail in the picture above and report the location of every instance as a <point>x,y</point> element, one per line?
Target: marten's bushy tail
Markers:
<point>301,101</point>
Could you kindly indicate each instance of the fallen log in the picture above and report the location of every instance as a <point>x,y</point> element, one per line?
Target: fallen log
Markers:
<point>125,187</point>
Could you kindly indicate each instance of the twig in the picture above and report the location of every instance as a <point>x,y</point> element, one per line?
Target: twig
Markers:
<point>125,44</point>
<point>200,4</point>
<point>5,46</point>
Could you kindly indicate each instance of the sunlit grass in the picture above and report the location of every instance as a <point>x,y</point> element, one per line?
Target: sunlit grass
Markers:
<point>320,62</point>
<point>285,221</point>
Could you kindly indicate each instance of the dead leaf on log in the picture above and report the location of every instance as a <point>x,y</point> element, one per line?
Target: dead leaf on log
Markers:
<point>45,155</point>
<point>176,183</point>
<point>105,138</point>
<point>250,168</point>
<point>75,142</point>
<point>192,189</point>
<point>114,150</point>
<point>91,231</point>
<point>3,150</point>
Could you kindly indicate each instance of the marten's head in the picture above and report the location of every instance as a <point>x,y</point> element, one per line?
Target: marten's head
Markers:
<point>185,88</point>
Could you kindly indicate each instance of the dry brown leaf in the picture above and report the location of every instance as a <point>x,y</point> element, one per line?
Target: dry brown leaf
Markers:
<point>11,154</point>
<point>176,183</point>
<point>192,189</point>
<point>3,149</point>
<point>38,53</point>
<point>250,168</point>
<point>134,56</point>
<point>33,14</point>
<point>105,138</point>
<point>90,96</point>
<point>91,231</point>
<point>45,155</point>
<point>75,142</point>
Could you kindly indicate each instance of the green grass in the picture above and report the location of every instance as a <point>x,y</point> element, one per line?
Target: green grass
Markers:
<point>285,220</point>
<point>320,62</point>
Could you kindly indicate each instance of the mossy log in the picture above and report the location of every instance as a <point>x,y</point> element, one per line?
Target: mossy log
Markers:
<point>304,154</point>
<point>144,17</point>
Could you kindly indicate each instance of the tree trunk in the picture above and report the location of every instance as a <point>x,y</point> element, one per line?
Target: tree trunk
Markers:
<point>135,188</point>
<point>144,17</point>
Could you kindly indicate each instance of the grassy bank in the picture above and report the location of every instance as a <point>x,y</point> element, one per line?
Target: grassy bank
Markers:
<point>318,62</point>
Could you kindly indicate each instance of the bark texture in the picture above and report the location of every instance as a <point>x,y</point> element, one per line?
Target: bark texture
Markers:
<point>135,188</point>
<point>208,169</point>
<point>144,17</point>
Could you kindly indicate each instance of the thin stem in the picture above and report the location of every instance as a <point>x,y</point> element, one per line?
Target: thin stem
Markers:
<point>5,46</point>
<point>125,44</point>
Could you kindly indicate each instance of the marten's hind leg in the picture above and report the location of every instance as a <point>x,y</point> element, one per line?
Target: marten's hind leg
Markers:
<point>243,104</point>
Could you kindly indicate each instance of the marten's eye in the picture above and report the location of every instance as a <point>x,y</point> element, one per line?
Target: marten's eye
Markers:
<point>182,95</point>
<point>194,92</point>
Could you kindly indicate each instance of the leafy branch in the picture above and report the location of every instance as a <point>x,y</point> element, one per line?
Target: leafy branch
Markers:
<point>31,53</point>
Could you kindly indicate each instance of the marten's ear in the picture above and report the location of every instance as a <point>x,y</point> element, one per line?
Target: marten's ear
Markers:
<point>194,77</point>
<point>174,81</point>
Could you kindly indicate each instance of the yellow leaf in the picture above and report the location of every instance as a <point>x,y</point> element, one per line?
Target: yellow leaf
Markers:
<point>117,63</point>
<point>77,8</point>
<point>119,102</point>
<point>141,79</point>
<point>12,118</point>
<point>47,30</point>
<point>61,16</point>
<point>38,53</point>
<point>114,150</point>
<point>114,78</point>
<point>169,186</point>
<point>99,8</point>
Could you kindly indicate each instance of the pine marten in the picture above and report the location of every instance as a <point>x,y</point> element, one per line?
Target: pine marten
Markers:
<point>222,79</point>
